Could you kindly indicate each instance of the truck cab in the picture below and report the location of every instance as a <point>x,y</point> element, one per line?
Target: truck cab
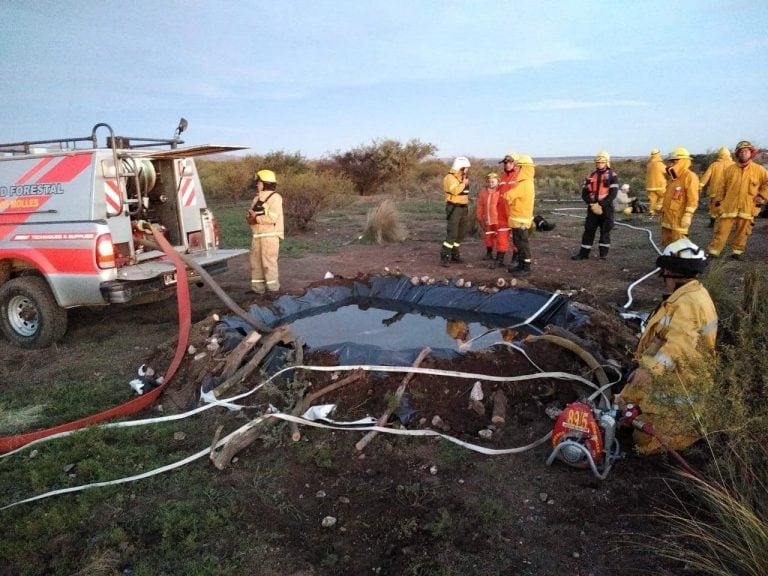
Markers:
<point>73,221</point>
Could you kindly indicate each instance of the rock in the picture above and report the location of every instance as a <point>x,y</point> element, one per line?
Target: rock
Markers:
<point>459,283</point>
<point>415,280</point>
<point>179,436</point>
<point>543,496</point>
<point>329,522</point>
<point>485,434</point>
<point>433,470</point>
<point>320,494</point>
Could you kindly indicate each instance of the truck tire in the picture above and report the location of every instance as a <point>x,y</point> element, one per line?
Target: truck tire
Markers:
<point>29,314</point>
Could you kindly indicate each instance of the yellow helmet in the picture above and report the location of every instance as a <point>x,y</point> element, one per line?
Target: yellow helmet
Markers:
<point>511,155</point>
<point>524,160</point>
<point>679,154</point>
<point>655,151</point>
<point>744,144</point>
<point>266,176</point>
<point>491,175</point>
<point>603,156</point>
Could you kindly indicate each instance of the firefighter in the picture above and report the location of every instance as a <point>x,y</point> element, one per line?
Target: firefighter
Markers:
<point>623,201</point>
<point>740,196</point>
<point>458,330</point>
<point>519,201</point>
<point>655,181</point>
<point>681,197</point>
<point>456,189</point>
<point>507,181</point>
<point>486,212</point>
<point>265,217</point>
<point>598,191</point>
<point>713,179</point>
<point>682,328</point>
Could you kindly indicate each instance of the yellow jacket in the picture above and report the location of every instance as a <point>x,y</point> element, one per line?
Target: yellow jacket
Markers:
<point>520,199</point>
<point>681,196</point>
<point>655,175</point>
<point>455,191</point>
<point>740,189</point>
<point>675,328</point>
<point>271,222</point>
<point>713,177</point>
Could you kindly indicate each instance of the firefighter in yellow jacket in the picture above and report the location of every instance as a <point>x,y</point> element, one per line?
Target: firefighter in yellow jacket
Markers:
<point>740,196</point>
<point>519,201</point>
<point>265,217</point>
<point>456,189</point>
<point>655,181</point>
<point>681,328</point>
<point>712,180</point>
<point>681,197</point>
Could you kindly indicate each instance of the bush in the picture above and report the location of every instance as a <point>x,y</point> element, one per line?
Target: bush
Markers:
<point>307,193</point>
<point>383,225</point>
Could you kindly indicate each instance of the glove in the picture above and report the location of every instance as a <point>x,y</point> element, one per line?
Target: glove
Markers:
<point>596,209</point>
<point>685,220</point>
<point>640,377</point>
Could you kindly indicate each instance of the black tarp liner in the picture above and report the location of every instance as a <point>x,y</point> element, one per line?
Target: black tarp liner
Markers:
<point>505,308</point>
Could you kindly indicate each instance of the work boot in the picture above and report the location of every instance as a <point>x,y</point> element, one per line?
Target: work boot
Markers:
<point>523,268</point>
<point>499,263</point>
<point>735,256</point>
<point>456,256</point>
<point>711,222</point>
<point>582,255</point>
<point>445,256</point>
<point>603,253</point>
<point>488,254</point>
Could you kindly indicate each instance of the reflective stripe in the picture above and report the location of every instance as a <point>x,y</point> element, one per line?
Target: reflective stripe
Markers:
<point>265,235</point>
<point>709,327</point>
<point>665,359</point>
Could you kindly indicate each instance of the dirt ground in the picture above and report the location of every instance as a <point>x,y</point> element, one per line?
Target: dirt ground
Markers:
<point>390,499</point>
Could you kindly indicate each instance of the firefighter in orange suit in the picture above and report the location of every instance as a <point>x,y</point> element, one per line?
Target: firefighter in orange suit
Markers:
<point>266,220</point>
<point>598,191</point>
<point>680,329</point>
<point>742,193</point>
<point>486,212</point>
<point>456,189</point>
<point>655,181</point>
<point>519,202</point>
<point>713,180</point>
<point>507,181</point>
<point>681,197</point>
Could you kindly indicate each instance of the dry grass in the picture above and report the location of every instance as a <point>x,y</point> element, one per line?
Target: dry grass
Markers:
<point>19,420</point>
<point>383,224</point>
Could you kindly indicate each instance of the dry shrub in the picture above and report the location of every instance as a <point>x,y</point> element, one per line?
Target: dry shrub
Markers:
<point>383,224</point>
<point>307,194</point>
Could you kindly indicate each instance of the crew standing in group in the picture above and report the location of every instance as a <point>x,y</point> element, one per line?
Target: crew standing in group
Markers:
<point>712,180</point>
<point>486,212</point>
<point>265,218</point>
<point>655,181</point>
<point>681,197</point>
<point>598,192</point>
<point>519,201</point>
<point>456,189</point>
<point>742,193</point>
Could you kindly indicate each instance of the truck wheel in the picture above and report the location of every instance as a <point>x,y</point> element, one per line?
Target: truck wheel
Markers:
<point>29,314</point>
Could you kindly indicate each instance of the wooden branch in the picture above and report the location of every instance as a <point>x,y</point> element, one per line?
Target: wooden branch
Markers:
<point>280,334</point>
<point>365,440</point>
<point>235,358</point>
<point>241,438</point>
<point>304,403</point>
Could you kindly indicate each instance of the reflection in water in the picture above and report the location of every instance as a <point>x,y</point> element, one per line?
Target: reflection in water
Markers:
<point>390,330</point>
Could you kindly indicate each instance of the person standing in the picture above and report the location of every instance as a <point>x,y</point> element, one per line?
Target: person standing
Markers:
<point>265,217</point>
<point>507,181</point>
<point>682,328</point>
<point>519,201</point>
<point>740,196</point>
<point>655,181</point>
<point>456,189</point>
<point>598,191</point>
<point>713,180</point>
<point>623,201</point>
<point>486,212</point>
<point>680,199</point>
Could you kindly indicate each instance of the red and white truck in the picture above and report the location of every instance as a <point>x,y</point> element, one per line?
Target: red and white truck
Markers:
<point>71,212</point>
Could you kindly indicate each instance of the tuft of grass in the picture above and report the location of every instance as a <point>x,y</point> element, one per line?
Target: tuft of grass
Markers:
<point>14,421</point>
<point>383,225</point>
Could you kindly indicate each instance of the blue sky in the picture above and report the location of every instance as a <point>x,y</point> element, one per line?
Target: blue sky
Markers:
<point>477,78</point>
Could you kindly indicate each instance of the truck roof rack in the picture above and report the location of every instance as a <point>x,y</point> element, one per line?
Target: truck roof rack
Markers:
<point>112,141</point>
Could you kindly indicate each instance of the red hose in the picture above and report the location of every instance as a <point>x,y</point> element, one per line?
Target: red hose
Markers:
<point>8,443</point>
<point>649,429</point>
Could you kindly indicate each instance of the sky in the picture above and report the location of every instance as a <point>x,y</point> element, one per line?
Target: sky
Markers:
<point>475,78</point>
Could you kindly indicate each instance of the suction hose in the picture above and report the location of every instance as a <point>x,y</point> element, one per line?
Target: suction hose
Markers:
<point>648,428</point>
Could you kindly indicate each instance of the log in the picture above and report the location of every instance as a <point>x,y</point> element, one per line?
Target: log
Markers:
<point>304,403</point>
<point>241,438</point>
<point>280,334</point>
<point>499,414</point>
<point>365,440</point>
<point>235,358</point>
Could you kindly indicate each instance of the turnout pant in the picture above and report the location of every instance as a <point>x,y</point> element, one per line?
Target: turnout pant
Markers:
<point>264,272</point>
<point>457,223</point>
<point>741,228</point>
<point>603,222</point>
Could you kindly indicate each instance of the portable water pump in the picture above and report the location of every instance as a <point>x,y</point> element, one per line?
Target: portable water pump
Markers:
<point>584,436</point>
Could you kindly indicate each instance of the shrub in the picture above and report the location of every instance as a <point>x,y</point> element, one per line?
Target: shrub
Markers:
<point>382,224</point>
<point>307,193</point>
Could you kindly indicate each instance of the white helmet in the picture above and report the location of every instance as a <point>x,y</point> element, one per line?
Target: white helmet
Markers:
<point>683,257</point>
<point>460,162</point>
<point>625,187</point>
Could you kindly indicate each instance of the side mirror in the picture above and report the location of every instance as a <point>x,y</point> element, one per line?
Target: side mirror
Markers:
<point>181,127</point>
